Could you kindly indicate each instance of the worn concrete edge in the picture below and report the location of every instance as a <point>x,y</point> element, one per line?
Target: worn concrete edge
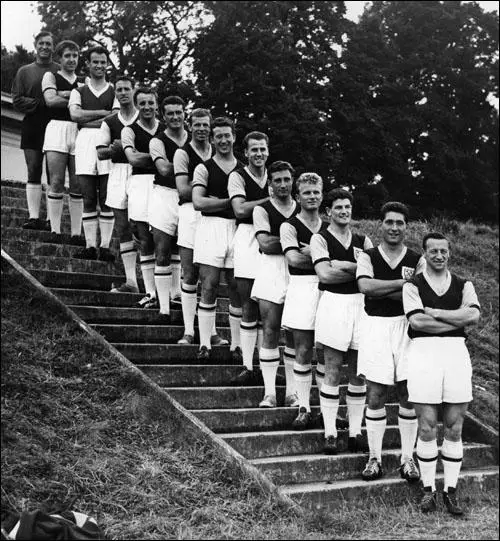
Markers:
<point>198,428</point>
<point>482,432</point>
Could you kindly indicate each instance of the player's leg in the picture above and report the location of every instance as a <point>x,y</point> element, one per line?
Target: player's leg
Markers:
<point>57,163</point>
<point>355,400</point>
<point>210,278</point>
<point>34,163</point>
<point>163,270</point>
<point>75,202</point>
<point>175,262</point>
<point>128,252</point>
<point>408,427</point>
<point>106,220</point>
<point>269,354</point>
<point>147,257</point>
<point>190,276</point>
<point>88,186</point>
<point>303,345</point>
<point>235,313</point>
<point>452,453</point>
<point>427,453</point>
<point>376,422</point>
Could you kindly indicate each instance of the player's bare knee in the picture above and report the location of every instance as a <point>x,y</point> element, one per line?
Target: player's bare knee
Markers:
<point>376,395</point>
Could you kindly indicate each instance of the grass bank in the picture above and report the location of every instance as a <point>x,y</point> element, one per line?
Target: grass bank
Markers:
<point>76,432</point>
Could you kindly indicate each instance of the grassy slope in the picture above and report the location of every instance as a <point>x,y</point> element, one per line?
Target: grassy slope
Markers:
<point>75,429</point>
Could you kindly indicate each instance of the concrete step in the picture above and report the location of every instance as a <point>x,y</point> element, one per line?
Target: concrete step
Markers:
<point>81,281</point>
<point>17,219</point>
<point>290,442</point>
<point>83,290</point>
<point>29,235</point>
<point>14,188</point>
<point>14,201</point>
<point>255,419</point>
<point>68,264</point>
<point>288,470</point>
<point>137,316</point>
<point>324,497</point>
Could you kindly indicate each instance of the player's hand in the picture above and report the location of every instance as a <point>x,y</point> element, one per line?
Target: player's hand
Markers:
<point>305,249</point>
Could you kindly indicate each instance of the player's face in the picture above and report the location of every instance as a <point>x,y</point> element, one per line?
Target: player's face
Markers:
<point>257,152</point>
<point>124,92</point>
<point>69,60</point>
<point>393,228</point>
<point>44,48</point>
<point>173,114</point>
<point>309,196</point>
<point>340,212</point>
<point>200,128</point>
<point>281,184</point>
<point>97,65</point>
<point>223,138</point>
<point>437,254</point>
<point>146,105</point>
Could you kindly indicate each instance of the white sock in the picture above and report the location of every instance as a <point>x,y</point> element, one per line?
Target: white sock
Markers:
<point>54,210</point>
<point>355,400</point>
<point>106,224</point>
<point>234,324</point>
<point>76,213</point>
<point>34,199</point>
<point>148,273</point>
<point>188,300</point>
<point>260,335</point>
<point>289,362</point>
<point>427,455</point>
<point>163,283</point>
<point>248,337</point>
<point>269,362</point>
<point>320,375</point>
<point>129,258</point>
<point>206,317</point>
<point>303,382</point>
<point>329,402</point>
<point>408,427</point>
<point>90,228</point>
<point>376,422</point>
<point>175,261</point>
<point>452,453</point>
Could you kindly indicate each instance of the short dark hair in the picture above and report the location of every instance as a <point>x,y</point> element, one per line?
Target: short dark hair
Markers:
<point>144,90</point>
<point>66,44</point>
<point>280,166</point>
<point>395,206</point>
<point>433,235</point>
<point>200,112</point>
<point>43,34</point>
<point>258,135</point>
<point>97,50</point>
<point>222,122</point>
<point>125,78</point>
<point>172,100</point>
<point>337,193</point>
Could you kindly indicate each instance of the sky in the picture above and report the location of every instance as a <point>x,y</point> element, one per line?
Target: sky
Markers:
<point>20,23</point>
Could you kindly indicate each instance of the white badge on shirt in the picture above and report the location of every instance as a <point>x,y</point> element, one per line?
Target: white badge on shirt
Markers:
<point>357,251</point>
<point>407,273</point>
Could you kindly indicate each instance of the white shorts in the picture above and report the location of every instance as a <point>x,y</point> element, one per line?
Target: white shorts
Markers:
<point>139,189</point>
<point>382,348</point>
<point>60,136</point>
<point>86,161</point>
<point>246,252</point>
<point>439,370</point>
<point>213,243</point>
<point>164,209</point>
<point>118,181</point>
<point>301,302</point>
<point>186,228</point>
<point>338,320</point>
<point>271,279</point>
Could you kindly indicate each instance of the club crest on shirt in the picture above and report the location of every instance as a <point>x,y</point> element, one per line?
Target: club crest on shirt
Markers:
<point>357,251</point>
<point>407,273</point>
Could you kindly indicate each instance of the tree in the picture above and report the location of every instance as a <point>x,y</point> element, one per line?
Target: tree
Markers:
<point>151,41</point>
<point>414,106</point>
<point>11,62</point>
<point>266,65</point>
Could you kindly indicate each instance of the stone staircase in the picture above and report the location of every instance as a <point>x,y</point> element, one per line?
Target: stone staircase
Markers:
<point>293,460</point>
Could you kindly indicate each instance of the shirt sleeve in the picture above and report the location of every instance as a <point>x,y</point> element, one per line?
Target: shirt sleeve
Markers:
<point>157,149</point>
<point>75,98</point>
<point>236,186</point>
<point>319,249</point>
<point>469,296</point>
<point>116,104</point>
<point>260,220</point>
<point>128,138</point>
<point>364,268</point>
<point>421,265</point>
<point>368,244</point>
<point>48,81</point>
<point>103,136</point>
<point>288,237</point>
<point>412,303</point>
<point>181,162</point>
<point>200,176</point>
